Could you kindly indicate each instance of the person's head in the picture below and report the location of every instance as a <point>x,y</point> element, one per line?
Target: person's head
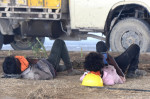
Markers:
<point>11,65</point>
<point>101,47</point>
<point>94,62</point>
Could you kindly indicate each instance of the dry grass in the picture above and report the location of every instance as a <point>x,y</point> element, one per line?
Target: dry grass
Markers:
<point>68,87</point>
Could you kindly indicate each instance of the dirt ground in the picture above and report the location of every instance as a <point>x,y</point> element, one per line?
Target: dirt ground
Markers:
<point>68,87</point>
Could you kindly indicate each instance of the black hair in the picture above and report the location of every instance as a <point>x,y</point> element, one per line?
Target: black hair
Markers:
<point>93,62</point>
<point>10,66</point>
<point>101,47</point>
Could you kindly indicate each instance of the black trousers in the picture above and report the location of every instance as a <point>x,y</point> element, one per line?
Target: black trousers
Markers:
<point>59,51</point>
<point>129,59</point>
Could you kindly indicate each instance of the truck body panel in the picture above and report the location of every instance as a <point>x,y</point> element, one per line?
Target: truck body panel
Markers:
<point>90,14</point>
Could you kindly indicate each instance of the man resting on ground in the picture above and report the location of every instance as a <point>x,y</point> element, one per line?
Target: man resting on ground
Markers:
<point>127,62</point>
<point>45,68</point>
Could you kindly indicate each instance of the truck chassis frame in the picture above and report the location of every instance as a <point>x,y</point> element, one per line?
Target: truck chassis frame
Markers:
<point>25,12</point>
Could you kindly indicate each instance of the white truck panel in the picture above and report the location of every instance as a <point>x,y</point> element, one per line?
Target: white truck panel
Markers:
<point>90,14</point>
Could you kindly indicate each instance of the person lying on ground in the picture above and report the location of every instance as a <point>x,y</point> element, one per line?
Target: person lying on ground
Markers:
<point>125,63</point>
<point>45,68</point>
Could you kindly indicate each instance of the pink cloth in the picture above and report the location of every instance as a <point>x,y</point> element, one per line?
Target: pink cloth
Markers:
<point>81,78</point>
<point>110,76</point>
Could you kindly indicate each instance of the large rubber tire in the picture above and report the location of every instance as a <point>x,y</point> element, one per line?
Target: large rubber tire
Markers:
<point>1,40</point>
<point>26,44</point>
<point>129,31</point>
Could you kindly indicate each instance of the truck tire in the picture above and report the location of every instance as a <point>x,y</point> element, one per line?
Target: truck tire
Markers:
<point>26,44</point>
<point>129,31</point>
<point>1,40</point>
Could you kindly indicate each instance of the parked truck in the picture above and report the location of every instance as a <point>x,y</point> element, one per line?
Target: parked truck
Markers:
<point>123,22</point>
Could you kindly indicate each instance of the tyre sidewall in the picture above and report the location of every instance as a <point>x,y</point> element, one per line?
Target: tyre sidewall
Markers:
<point>137,25</point>
<point>1,40</point>
<point>29,46</point>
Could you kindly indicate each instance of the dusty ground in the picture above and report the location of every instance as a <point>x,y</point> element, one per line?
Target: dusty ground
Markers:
<point>68,87</point>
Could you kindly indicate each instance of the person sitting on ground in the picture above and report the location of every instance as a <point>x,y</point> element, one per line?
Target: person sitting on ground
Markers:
<point>94,64</point>
<point>20,65</point>
<point>127,62</point>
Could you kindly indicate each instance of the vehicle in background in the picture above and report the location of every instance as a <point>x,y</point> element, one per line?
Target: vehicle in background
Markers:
<point>123,22</point>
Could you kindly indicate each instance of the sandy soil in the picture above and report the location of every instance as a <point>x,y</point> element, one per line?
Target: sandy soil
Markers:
<point>68,87</point>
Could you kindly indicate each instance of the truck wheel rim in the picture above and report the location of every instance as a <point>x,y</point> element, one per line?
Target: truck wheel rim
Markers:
<point>25,42</point>
<point>131,37</point>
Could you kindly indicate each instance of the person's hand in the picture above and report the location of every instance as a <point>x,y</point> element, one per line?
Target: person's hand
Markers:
<point>123,78</point>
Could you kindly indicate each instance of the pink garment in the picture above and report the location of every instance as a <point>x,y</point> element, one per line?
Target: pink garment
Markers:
<point>81,78</point>
<point>110,76</point>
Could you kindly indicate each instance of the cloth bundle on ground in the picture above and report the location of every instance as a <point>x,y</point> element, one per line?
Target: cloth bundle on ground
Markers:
<point>110,76</point>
